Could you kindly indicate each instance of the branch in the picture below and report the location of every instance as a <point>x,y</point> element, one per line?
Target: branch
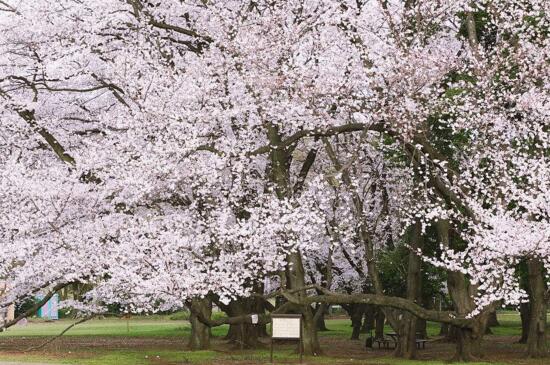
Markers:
<point>383,301</point>
<point>138,8</point>
<point>8,7</point>
<point>436,181</point>
<point>34,308</point>
<point>59,335</point>
<point>29,117</point>
<point>244,319</point>
<point>310,159</point>
<point>175,28</point>
<point>320,132</point>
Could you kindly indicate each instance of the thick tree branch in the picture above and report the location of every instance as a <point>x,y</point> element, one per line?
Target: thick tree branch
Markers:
<point>35,307</point>
<point>319,132</point>
<point>29,117</point>
<point>308,163</point>
<point>379,300</point>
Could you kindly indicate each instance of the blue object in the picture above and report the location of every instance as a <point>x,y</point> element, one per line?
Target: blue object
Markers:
<point>50,309</point>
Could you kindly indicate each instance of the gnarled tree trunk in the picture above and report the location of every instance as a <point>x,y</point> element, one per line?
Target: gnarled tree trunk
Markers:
<point>310,340</point>
<point>368,321</point>
<point>280,176</point>
<point>525,315</point>
<point>356,312</point>
<point>380,322</point>
<point>406,346</point>
<point>536,339</point>
<point>320,311</point>
<point>468,340</point>
<point>200,333</point>
<point>243,335</point>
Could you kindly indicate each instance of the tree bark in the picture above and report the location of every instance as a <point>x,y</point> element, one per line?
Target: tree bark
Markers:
<point>406,345</point>
<point>493,319</point>
<point>296,275</point>
<point>320,311</point>
<point>243,335</point>
<point>356,314</point>
<point>368,321</point>
<point>421,328</point>
<point>444,329</point>
<point>536,339</point>
<point>525,315</point>
<point>468,340</point>
<point>380,321</point>
<point>200,332</point>
<point>310,341</point>
<point>280,176</point>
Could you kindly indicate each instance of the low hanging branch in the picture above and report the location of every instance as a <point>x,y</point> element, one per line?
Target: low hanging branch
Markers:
<point>379,300</point>
<point>41,346</point>
<point>31,311</point>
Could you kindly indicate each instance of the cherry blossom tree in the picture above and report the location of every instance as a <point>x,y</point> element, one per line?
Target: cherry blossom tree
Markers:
<point>166,152</point>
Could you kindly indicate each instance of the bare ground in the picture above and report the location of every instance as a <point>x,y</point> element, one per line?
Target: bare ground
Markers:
<point>344,351</point>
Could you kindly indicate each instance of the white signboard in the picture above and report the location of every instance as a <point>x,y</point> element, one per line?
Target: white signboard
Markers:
<point>254,318</point>
<point>286,327</point>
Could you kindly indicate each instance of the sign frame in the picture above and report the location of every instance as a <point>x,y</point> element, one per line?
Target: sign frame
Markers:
<point>287,316</point>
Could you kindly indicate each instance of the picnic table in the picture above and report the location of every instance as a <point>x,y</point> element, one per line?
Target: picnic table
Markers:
<point>385,342</point>
<point>393,338</point>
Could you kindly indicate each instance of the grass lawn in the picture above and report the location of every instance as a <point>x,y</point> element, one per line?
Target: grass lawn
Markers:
<point>159,340</point>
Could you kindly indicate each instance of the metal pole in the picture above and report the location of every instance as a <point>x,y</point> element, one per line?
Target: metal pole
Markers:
<point>242,336</point>
<point>301,342</point>
<point>271,352</point>
<point>301,349</point>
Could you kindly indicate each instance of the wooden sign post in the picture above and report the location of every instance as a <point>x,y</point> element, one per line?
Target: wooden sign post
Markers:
<point>286,327</point>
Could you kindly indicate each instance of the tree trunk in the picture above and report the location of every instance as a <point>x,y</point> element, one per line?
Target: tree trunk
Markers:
<point>465,346</point>
<point>320,311</point>
<point>406,345</point>
<point>310,341</point>
<point>244,335</point>
<point>357,311</point>
<point>368,322</point>
<point>380,321</point>
<point>296,274</point>
<point>493,319</point>
<point>468,341</point>
<point>536,339</point>
<point>444,329</point>
<point>200,333</point>
<point>525,315</point>
<point>421,328</point>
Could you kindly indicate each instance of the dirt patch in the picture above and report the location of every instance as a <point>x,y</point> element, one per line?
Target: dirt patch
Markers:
<point>344,351</point>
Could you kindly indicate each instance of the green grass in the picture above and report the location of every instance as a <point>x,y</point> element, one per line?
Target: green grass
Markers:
<point>162,326</point>
<point>109,327</point>
<point>127,357</point>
